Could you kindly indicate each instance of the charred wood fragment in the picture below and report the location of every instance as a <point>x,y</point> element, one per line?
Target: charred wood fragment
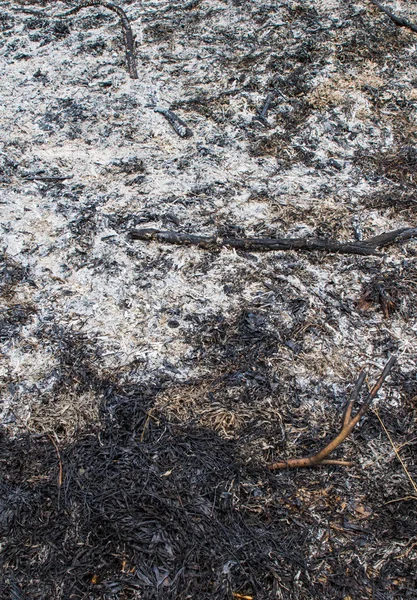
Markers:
<point>391,237</point>
<point>377,292</point>
<point>262,114</point>
<point>176,123</point>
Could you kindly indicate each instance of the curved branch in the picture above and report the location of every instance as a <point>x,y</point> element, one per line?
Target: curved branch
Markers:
<point>348,424</point>
<point>129,39</point>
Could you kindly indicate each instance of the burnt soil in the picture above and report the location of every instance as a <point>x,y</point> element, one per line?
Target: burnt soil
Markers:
<point>146,387</point>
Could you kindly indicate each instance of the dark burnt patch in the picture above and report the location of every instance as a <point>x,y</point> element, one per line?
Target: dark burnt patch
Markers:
<point>140,504</point>
<point>398,166</point>
<point>78,359</point>
<point>148,498</point>
<point>392,291</point>
<point>11,274</point>
<point>96,48</point>
<point>91,18</point>
<point>376,44</point>
<point>13,318</point>
<point>8,168</point>
<point>400,199</point>
<point>159,32</point>
<point>7,22</point>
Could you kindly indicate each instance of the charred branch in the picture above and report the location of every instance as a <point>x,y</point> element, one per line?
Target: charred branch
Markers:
<point>397,20</point>
<point>366,247</point>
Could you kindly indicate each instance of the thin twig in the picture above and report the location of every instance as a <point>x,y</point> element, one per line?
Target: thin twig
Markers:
<point>397,20</point>
<point>348,424</point>
<point>148,418</point>
<point>61,468</point>
<point>353,398</point>
<point>262,115</point>
<point>366,247</point>
<point>404,466</point>
<point>405,499</point>
<point>391,237</point>
<point>129,40</point>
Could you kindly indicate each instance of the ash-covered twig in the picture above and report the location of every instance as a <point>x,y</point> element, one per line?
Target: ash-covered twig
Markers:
<point>397,20</point>
<point>29,11</point>
<point>48,178</point>
<point>129,40</point>
<point>348,424</point>
<point>176,123</point>
<point>251,244</point>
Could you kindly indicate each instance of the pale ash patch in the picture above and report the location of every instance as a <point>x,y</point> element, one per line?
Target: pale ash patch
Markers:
<point>82,114</point>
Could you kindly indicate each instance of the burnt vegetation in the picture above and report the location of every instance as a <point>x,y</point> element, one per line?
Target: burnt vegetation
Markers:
<point>128,478</point>
<point>154,504</point>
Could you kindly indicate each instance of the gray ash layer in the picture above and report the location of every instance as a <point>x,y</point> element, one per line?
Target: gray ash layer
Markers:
<point>168,377</point>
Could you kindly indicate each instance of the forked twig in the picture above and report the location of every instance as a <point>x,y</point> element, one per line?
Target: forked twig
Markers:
<point>127,30</point>
<point>348,423</point>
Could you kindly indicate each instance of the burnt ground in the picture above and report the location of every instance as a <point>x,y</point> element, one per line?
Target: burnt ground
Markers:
<point>146,387</point>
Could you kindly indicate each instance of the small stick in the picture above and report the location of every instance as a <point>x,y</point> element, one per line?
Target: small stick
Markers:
<point>353,398</point>
<point>391,237</point>
<point>348,424</point>
<point>129,40</point>
<point>367,247</point>
<point>397,20</point>
<point>176,123</point>
<point>261,116</point>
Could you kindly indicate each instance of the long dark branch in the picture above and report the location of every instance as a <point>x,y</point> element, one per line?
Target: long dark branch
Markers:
<point>251,244</point>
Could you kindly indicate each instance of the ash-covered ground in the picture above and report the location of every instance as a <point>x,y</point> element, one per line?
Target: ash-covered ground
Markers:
<point>146,387</point>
